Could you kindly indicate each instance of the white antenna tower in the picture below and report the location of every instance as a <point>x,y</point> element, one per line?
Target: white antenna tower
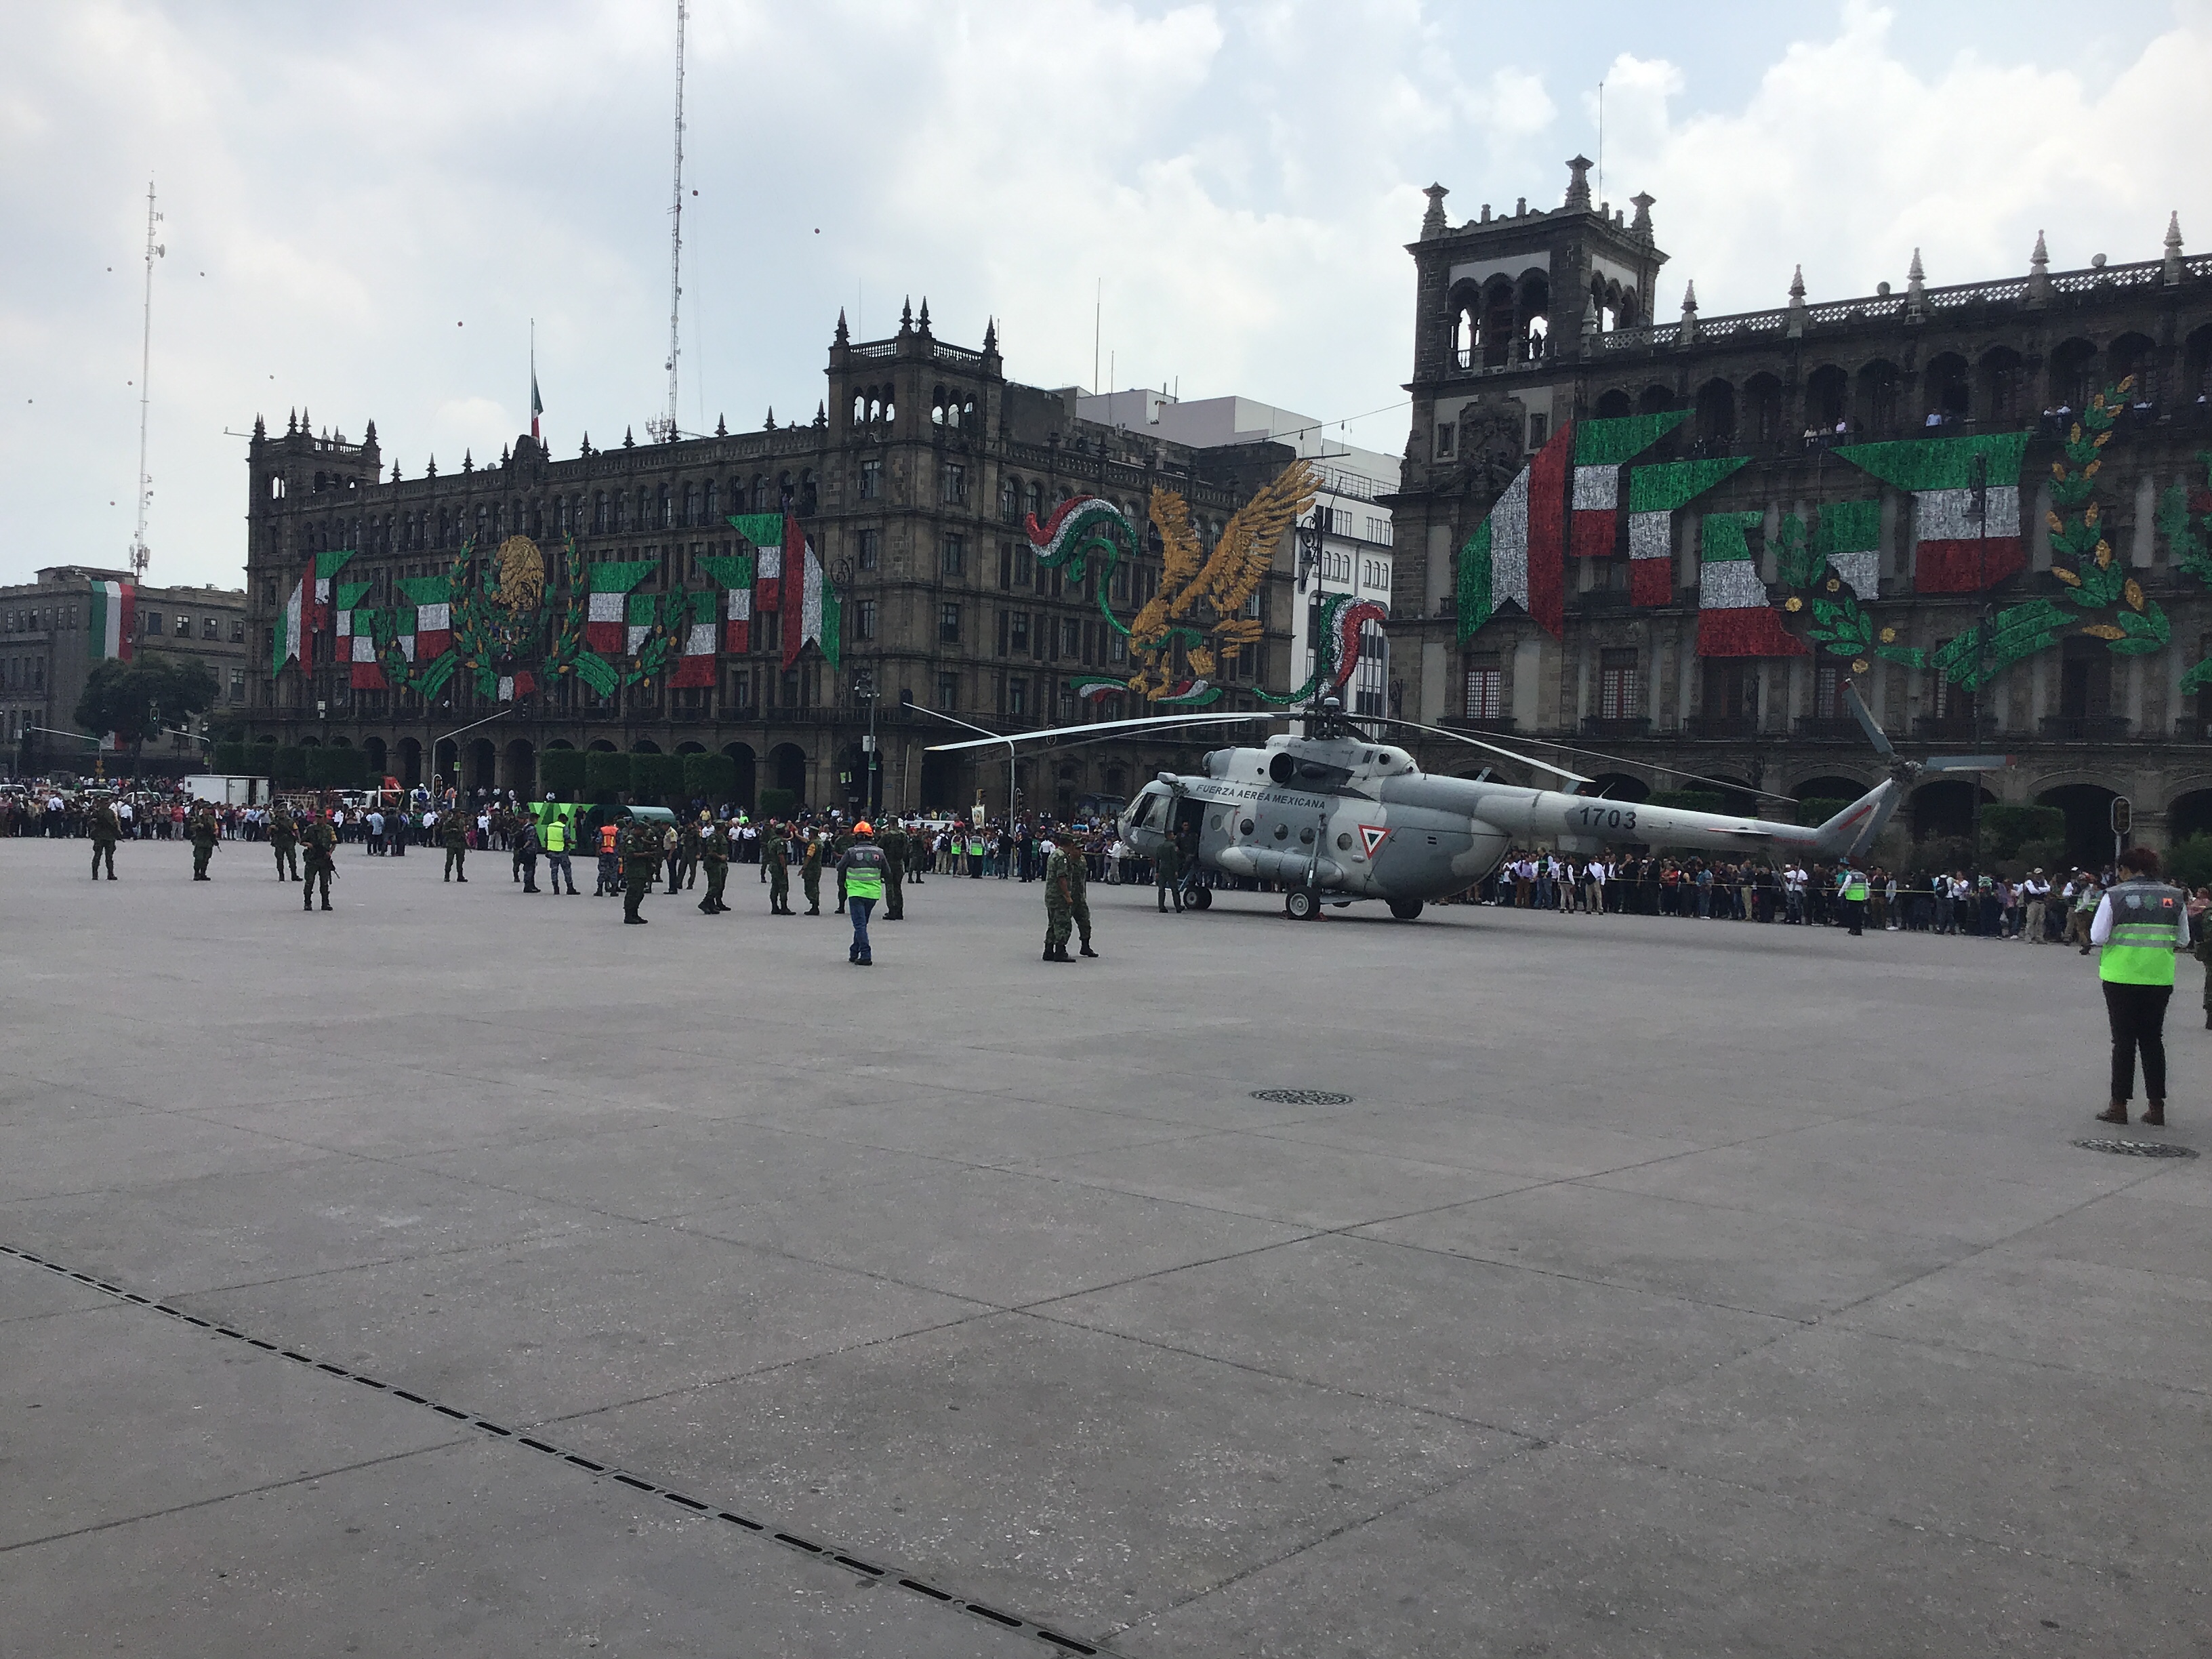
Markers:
<point>666,430</point>
<point>139,551</point>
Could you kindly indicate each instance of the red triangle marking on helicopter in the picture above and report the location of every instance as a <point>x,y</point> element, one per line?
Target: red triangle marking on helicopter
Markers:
<point>1374,834</point>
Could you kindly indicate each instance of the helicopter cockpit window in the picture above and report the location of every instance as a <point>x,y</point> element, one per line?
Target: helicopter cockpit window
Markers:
<point>1143,812</point>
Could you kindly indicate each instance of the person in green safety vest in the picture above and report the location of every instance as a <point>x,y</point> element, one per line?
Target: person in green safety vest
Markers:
<point>1852,889</point>
<point>2140,923</point>
<point>558,835</point>
<point>860,871</point>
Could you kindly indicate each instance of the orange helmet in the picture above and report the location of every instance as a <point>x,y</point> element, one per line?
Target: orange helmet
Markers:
<point>864,827</point>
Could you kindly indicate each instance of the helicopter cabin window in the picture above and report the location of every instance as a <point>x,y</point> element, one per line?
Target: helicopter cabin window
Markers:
<point>1620,687</point>
<point>1484,689</point>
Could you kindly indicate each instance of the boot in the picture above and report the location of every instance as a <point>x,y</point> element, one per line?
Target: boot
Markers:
<point>2115,1112</point>
<point>1062,955</point>
<point>1086,951</point>
<point>2154,1114</point>
<point>327,904</point>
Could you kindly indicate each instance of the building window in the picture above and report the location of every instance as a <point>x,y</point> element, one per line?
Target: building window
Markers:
<point>1010,501</point>
<point>238,630</point>
<point>948,624</point>
<point>1445,433</point>
<point>153,620</point>
<point>1484,689</point>
<point>771,631</point>
<point>1539,427</point>
<point>238,685</point>
<point>1017,643</point>
<point>1619,684</point>
<point>1018,695</point>
<point>948,691</point>
<point>956,556</point>
<point>211,628</point>
<point>953,484</point>
<point>871,479</point>
<point>871,548</point>
<point>864,620</point>
<point>1827,691</point>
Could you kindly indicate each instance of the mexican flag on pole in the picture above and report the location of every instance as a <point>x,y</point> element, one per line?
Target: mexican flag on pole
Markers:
<point>1849,537</point>
<point>733,575</point>
<point>114,620</point>
<point>1518,552</point>
<point>1734,618</point>
<point>1655,495</point>
<point>695,663</point>
<point>1603,451</point>
<point>1965,505</point>
<point>604,614</point>
<point>812,610</point>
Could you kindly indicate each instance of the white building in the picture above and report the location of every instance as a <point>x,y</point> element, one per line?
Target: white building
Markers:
<point>1351,553</point>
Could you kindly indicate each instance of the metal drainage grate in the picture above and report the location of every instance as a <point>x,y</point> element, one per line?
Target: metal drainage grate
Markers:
<point>790,1540</point>
<point>2137,1148</point>
<point>1301,1097</point>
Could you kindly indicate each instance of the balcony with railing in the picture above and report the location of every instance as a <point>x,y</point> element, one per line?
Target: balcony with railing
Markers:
<point>1616,728</point>
<point>1829,728</point>
<point>2086,729</point>
<point>1732,728</point>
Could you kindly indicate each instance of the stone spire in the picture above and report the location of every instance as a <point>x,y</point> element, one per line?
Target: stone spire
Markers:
<point>1916,287</point>
<point>843,337</point>
<point>259,431</point>
<point>991,337</point>
<point>1432,222</point>
<point>395,472</point>
<point>906,316</point>
<point>1799,317</point>
<point>291,422</point>
<point>721,430</point>
<point>468,460</point>
<point>1689,311</point>
<point>2038,272</point>
<point>1578,190</point>
<point>922,323</point>
<point>431,470</point>
<point>2170,269</point>
<point>1641,224</point>
<point>770,424</point>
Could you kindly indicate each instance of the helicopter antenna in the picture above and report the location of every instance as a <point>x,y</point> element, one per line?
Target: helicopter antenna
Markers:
<point>140,555</point>
<point>665,430</point>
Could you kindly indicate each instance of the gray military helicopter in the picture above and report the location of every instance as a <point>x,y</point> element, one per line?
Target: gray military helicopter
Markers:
<point>1335,817</point>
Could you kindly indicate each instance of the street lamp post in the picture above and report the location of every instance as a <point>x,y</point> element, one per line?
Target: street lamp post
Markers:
<point>864,687</point>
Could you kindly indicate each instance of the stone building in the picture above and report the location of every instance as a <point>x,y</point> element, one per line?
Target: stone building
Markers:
<point>913,481</point>
<point>49,644</point>
<point>1874,493</point>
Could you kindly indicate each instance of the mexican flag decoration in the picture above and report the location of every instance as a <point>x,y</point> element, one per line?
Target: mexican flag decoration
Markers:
<point>767,532</point>
<point>520,683</point>
<point>352,628</point>
<point>1965,505</point>
<point>291,631</point>
<point>644,609</point>
<point>733,575</point>
<point>1518,552</point>
<point>697,643</point>
<point>1849,537</point>
<point>605,615</point>
<point>1734,618</point>
<point>431,635</point>
<point>811,608</point>
<point>1603,451</point>
<point>114,620</point>
<point>328,563</point>
<point>1655,495</point>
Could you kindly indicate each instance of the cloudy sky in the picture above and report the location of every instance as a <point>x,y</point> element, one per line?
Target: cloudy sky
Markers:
<point>366,206</point>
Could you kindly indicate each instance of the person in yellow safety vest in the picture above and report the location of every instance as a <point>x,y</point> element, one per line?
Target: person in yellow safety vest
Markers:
<point>2141,922</point>
<point>1851,888</point>
<point>555,836</point>
<point>862,870</point>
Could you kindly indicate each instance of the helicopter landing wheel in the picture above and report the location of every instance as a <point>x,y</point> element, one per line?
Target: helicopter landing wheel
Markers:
<point>1406,909</point>
<point>1300,904</point>
<point>1200,898</point>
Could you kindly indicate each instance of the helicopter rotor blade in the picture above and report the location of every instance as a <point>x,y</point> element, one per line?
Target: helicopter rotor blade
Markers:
<point>1965,763</point>
<point>1868,724</point>
<point>1461,737</point>
<point>1096,727</point>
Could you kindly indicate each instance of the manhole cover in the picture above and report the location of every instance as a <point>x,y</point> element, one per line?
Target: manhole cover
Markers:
<point>1301,1097</point>
<point>2137,1148</point>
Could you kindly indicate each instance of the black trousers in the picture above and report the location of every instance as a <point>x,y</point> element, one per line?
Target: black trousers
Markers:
<point>2138,1015</point>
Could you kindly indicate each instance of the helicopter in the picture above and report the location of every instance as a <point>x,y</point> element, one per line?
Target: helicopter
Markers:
<point>1335,817</point>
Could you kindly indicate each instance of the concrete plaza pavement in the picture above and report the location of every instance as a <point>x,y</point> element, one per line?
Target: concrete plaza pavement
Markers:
<point>1661,1287</point>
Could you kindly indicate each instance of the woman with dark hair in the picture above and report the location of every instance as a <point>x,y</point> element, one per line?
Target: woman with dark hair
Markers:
<point>2140,923</point>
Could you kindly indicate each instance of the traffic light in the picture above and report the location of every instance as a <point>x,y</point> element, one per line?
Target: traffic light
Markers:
<point>2123,817</point>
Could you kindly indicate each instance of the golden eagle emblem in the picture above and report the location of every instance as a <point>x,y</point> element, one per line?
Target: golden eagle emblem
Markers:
<point>521,583</point>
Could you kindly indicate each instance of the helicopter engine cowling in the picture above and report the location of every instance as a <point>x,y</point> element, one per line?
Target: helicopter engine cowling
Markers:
<point>1289,868</point>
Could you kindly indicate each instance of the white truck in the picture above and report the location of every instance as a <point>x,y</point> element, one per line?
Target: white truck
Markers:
<point>225,788</point>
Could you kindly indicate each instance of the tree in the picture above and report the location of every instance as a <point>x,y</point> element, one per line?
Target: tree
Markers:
<point>710,777</point>
<point>136,700</point>
<point>606,775</point>
<point>656,777</point>
<point>562,772</point>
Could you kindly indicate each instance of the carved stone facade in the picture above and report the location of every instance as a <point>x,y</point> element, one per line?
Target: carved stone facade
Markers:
<point>1526,321</point>
<point>913,481</point>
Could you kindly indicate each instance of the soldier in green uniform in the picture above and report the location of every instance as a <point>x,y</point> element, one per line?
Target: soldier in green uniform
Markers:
<point>683,862</point>
<point>321,842</point>
<point>642,850</point>
<point>714,854</point>
<point>1167,877</point>
<point>106,830</point>
<point>892,841</point>
<point>205,834</point>
<point>776,863</point>
<point>284,841</point>
<point>454,831</point>
<point>810,875</point>
<point>1079,871</point>
<point>1059,905</point>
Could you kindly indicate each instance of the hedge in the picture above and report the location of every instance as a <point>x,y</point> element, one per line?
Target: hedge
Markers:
<point>605,773</point>
<point>562,772</point>
<point>656,777</point>
<point>287,766</point>
<point>778,802</point>
<point>712,778</point>
<point>336,769</point>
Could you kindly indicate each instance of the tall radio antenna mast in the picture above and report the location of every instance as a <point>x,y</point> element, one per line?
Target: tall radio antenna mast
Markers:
<point>667,431</point>
<point>139,552</point>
